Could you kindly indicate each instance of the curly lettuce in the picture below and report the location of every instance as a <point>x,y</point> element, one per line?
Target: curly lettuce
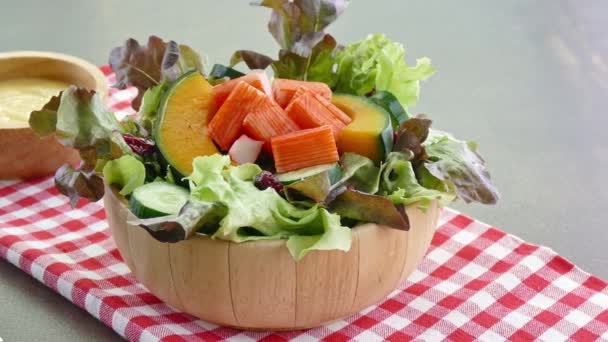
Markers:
<point>145,66</point>
<point>378,64</point>
<point>457,164</point>
<point>399,184</point>
<point>254,214</point>
<point>79,119</point>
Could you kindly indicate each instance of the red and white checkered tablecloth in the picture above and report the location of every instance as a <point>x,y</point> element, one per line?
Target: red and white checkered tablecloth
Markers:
<point>476,282</point>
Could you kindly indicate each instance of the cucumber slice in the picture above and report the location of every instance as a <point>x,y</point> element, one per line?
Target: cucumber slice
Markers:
<point>158,199</point>
<point>289,177</point>
<point>390,103</point>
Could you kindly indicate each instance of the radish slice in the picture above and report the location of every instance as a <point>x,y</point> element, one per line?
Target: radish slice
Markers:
<point>245,150</point>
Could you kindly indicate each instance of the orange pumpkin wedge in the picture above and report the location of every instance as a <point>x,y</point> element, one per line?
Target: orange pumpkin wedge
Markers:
<point>181,130</point>
<point>305,148</point>
<point>283,90</point>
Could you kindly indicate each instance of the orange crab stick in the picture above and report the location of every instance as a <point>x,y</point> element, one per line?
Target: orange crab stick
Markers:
<point>304,148</point>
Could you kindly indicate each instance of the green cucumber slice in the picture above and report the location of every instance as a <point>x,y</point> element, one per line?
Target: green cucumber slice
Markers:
<point>289,177</point>
<point>390,103</point>
<point>158,199</point>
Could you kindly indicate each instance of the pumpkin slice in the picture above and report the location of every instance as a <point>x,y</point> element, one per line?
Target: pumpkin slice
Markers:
<point>181,130</point>
<point>370,133</point>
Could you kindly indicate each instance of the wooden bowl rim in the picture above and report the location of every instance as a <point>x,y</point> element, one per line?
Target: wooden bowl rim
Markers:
<point>357,230</point>
<point>101,81</point>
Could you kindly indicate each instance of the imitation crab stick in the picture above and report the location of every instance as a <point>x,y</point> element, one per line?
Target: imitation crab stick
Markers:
<point>266,121</point>
<point>220,92</point>
<point>227,124</point>
<point>299,92</point>
<point>337,112</point>
<point>308,112</point>
<point>284,89</point>
<point>305,148</point>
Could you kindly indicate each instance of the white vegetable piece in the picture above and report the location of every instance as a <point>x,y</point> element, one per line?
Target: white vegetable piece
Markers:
<point>245,150</point>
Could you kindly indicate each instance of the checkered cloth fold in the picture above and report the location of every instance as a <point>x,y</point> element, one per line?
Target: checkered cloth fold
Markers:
<point>476,282</point>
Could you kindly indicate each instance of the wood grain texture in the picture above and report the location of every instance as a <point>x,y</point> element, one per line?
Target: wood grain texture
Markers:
<point>422,229</point>
<point>262,284</point>
<point>326,285</point>
<point>22,153</point>
<point>202,279</point>
<point>152,264</point>
<point>117,220</point>
<point>258,286</point>
<point>382,256</point>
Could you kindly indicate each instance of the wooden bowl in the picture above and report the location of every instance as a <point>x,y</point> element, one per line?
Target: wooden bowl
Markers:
<point>22,153</point>
<point>258,286</point>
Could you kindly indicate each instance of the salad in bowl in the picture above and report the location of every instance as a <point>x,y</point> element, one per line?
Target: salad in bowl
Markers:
<point>302,147</point>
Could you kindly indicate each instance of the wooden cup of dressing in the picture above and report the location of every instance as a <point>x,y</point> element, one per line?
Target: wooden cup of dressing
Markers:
<point>28,79</point>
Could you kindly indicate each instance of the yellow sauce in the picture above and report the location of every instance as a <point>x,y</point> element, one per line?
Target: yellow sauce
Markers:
<point>19,97</point>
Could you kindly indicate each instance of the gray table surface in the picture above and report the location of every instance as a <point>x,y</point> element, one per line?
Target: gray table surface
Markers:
<point>528,80</point>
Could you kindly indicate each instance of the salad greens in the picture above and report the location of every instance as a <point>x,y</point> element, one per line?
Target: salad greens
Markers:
<point>126,172</point>
<point>359,173</point>
<point>399,184</point>
<point>457,163</point>
<point>146,66</point>
<point>365,207</point>
<point>377,63</point>
<point>79,120</point>
<point>311,210</point>
<point>248,213</point>
<point>307,53</point>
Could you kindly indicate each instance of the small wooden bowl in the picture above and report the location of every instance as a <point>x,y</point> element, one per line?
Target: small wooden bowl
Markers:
<point>22,153</point>
<point>258,286</point>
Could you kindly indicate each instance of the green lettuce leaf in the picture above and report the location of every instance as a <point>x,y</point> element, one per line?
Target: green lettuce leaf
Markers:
<point>44,121</point>
<point>333,237</point>
<point>146,66</point>
<point>457,163</point>
<point>78,183</point>
<point>126,172</point>
<point>411,135</point>
<point>79,120</point>
<point>194,216</point>
<point>378,64</point>
<point>427,180</point>
<point>307,52</point>
<point>298,25</point>
<point>147,114</point>
<point>254,214</point>
<point>221,72</point>
<point>365,207</point>
<point>252,59</point>
<point>359,173</point>
<point>317,66</point>
<point>315,187</point>
<point>400,185</point>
